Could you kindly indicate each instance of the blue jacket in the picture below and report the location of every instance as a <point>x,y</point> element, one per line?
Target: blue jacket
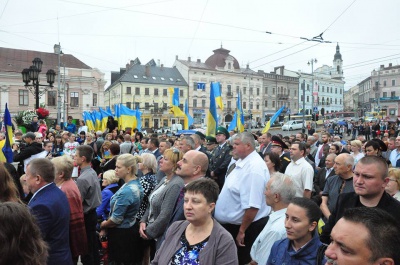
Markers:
<point>51,209</point>
<point>104,208</point>
<point>283,253</point>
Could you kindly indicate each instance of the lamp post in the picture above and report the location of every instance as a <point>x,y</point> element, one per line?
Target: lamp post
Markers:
<point>58,51</point>
<point>311,62</point>
<point>32,74</point>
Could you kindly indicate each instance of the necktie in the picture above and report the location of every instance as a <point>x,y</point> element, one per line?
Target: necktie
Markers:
<point>230,169</point>
<point>180,197</point>
<point>321,151</point>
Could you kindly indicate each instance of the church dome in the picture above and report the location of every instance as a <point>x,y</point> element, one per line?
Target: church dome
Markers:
<point>337,54</point>
<point>218,59</point>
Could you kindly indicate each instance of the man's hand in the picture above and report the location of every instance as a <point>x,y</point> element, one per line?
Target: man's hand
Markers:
<point>142,230</point>
<point>240,239</point>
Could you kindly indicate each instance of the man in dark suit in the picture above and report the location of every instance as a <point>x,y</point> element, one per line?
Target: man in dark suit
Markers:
<point>277,147</point>
<point>221,157</point>
<point>198,144</point>
<point>266,144</point>
<point>194,165</point>
<point>321,176</point>
<point>50,207</point>
<point>153,145</point>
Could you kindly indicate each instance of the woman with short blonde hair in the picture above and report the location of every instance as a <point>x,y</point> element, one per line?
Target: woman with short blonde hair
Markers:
<point>393,186</point>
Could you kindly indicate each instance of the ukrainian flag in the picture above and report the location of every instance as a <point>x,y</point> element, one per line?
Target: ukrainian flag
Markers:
<point>212,118</point>
<point>175,103</point>
<point>232,125</point>
<point>216,87</point>
<point>6,154</point>
<point>188,119</point>
<point>87,118</point>
<point>138,118</point>
<point>272,120</point>
<point>109,111</point>
<point>239,114</point>
<point>97,120</point>
<point>104,119</point>
<point>127,117</point>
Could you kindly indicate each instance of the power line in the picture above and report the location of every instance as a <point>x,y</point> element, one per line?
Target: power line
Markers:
<point>197,28</point>
<point>339,16</point>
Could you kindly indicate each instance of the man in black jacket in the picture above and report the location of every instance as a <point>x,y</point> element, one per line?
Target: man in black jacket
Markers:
<point>370,179</point>
<point>221,157</point>
<point>24,152</point>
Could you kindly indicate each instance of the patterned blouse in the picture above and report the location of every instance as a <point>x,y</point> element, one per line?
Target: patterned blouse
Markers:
<point>148,182</point>
<point>188,254</point>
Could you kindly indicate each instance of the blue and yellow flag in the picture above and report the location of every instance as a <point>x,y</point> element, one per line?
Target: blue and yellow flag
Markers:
<point>272,120</point>
<point>127,117</point>
<point>104,119</point>
<point>188,119</point>
<point>6,150</point>
<point>175,103</point>
<point>87,118</point>
<point>216,87</point>
<point>96,116</point>
<point>239,115</point>
<point>212,118</point>
<point>232,125</point>
<point>138,118</point>
<point>109,111</point>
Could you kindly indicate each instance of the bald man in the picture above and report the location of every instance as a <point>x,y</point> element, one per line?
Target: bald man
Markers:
<point>194,165</point>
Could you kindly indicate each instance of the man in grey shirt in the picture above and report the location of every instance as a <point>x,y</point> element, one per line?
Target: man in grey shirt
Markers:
<point>127,147</point>
<point>89,188</point>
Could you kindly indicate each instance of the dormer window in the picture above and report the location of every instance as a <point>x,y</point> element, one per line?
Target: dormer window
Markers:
<point>229,66</point>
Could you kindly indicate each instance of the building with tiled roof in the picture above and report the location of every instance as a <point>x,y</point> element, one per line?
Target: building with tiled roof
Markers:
<point>146,87</point>
<point>81,86</point>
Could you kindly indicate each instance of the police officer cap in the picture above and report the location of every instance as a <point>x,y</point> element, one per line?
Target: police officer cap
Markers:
<point>275,140</point>
<point>202,136</point>
<point>222,130</point>
<point>211,140</point>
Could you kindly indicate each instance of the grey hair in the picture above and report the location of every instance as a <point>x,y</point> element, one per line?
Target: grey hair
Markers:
<point>189,141</point>
<point>348,160</point>
<point>246,138</point>
<point>338,144</point>
<point>312,138</point>
<point>332,155</point>
<point>283,185</point>
<point>196,138</point>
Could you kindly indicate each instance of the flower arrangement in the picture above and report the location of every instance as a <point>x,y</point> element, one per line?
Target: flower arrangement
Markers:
<point>42,113</point>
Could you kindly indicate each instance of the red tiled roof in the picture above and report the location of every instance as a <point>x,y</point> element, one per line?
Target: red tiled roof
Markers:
<point>14,60</point>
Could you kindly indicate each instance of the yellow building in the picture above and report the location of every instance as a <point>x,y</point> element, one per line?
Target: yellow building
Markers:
<point>146,86</point>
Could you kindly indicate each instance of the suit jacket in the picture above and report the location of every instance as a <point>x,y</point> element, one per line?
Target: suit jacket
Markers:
<point>319,179</point>
<point>265,150</point>
<point>344,151</point>
<point>285,161</point>
<point>51,209</point>
<point>157,153</point>
<point>352,200</point>
<point>219,163</point>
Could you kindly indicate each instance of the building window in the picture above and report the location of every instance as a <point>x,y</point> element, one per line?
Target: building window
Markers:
<point>393,93</point>
<point>308,98</point>
<point>251,105</point>
<point>237,89</point>
<point>335,90</point>
<point>155,106</point>
<point>229,104</point>
<point>384,94</point>
<point>228,87</point>
<point>302,98</point>
<point>265,90</point>
<point>203,103</point>
<point>258,106</point>
<point>137,91</point>
<point>384,82</point>
<point>244,91</point>
<point>74,99</point>
<point>331,100</point>
<point>393,82</point>
<point>146,105</point>
<point>164,105</point>
<point>323,89</point>
<point>23,97</point>
<point>165,93</point>
<point>335,100</point>
<point>51,98</point>
<point>146,91</point>
<point>251,91</point>
<point>128,90</point>
<point>137,105</point>
<point>194,103</point>
<point>94,100</point>
<point>146,123</point>
<point>331,89</point>
<point>273,104</point>
<point>181,93</point>
<point>273,91</point>
<point>308,86</point>
<point>341,91</point>
<point>128,105</point>
<point>266,103</point>
<point>295,92</point>
<point>340,101</point>
<point>244,105</point>
<point>181,106</point>
<point>155,91</point>
<point>258,91</point>
<point>165,123</point>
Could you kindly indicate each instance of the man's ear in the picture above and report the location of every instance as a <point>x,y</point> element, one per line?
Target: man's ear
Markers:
<point>385,261</point>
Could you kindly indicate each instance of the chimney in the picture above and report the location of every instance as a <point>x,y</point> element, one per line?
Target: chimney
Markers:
<point>162,67</point>
<point>114,76</point>
<point>189,59</point>
<point>382,66</point>
<point>147,70</point>
<point>199,60</point>
<point>132,62</point>
<point>158,62</point>
<point>122,71</point>
<point>176,57</point>
<point>390,65</point>
<point>127,66</point>
<point>247,66</point>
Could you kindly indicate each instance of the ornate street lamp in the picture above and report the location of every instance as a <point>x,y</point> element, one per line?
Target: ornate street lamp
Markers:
<point>32,74</point>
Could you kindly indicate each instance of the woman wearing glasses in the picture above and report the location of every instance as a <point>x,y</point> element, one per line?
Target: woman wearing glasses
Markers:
<point>162,200</point>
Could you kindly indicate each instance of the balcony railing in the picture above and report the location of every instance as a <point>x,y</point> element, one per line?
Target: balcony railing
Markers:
<point>283,96</point>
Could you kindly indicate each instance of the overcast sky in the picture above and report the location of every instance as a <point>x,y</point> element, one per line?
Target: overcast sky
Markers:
<point>107,34</point>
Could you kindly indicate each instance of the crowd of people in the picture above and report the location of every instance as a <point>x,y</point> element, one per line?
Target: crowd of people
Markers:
<point>118,197</point>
